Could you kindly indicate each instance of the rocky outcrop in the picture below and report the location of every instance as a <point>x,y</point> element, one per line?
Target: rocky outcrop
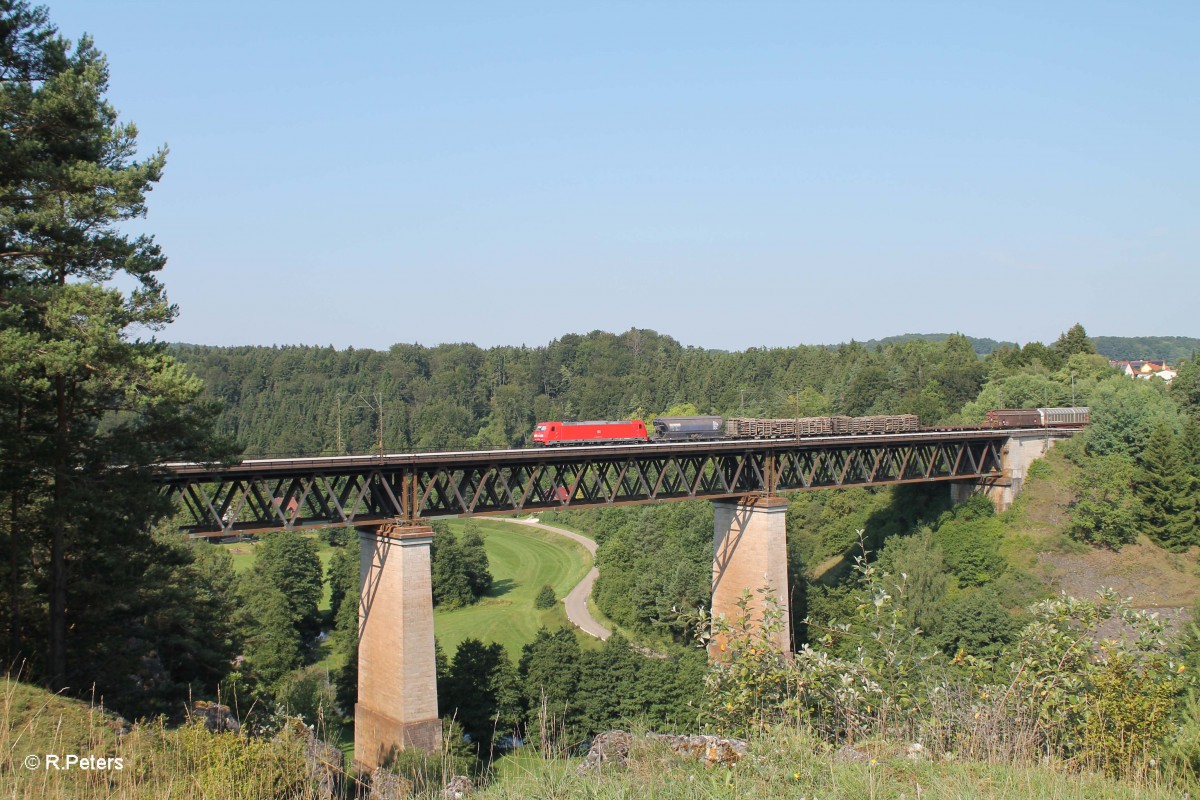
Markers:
<point>710,749</point>
<point>607,748</point>
<point>612,748</point>
<point>388,786</point>
<point>325,767</point>
<point>458,787</point>
<point>216,717</point>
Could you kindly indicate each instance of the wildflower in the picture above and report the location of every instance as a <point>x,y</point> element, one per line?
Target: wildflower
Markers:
<point>873,762</point>
<point>796,776</point>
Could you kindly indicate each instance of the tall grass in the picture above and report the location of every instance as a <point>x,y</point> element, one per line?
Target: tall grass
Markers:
<point>155,761</point>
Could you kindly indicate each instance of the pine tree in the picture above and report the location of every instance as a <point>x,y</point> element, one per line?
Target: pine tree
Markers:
<point>273,647</point>
<point>1164,487</point>
<point>475,561</point>
<point>85,407</point>
<point>608,686</point>
<point>343,576</point>
<point>289,561</point>
<point>1186,386</point>
<point>451,588</point>
<point>549,671</point>
<point>480,691</point>
<point>1075,340</point>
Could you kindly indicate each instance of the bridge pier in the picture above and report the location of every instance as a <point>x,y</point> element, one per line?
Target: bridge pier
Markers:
<point>1018,453</point>
<point>397,677</point>
<point>750,552</point>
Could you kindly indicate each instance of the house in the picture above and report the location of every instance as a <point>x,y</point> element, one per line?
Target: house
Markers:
<point>1145,370</point>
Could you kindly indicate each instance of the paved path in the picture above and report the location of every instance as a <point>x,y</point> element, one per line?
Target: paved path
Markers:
<point>576,600</point>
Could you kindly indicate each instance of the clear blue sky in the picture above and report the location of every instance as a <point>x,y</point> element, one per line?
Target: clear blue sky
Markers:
<point>732,174</point>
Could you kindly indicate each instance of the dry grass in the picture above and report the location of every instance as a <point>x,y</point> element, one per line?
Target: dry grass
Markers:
<point>790,764</point>
<point>141,761</point>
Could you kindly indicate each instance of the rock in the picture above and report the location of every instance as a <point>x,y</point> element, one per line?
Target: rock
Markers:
<point>388,786</point>
<point>325,767</point>
<point>915,751</point>
<point>848,753</point>
<point>216,718</point>
<point>458,787</point>
<point>611,747</point>
<point>712,749</point>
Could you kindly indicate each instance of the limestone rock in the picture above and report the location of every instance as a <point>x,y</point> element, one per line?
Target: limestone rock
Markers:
<point>458,787</point>
<point>216,718</point>
<point>388,786</point>
<point>848,753</point>
<point>711,749</point>
<point>325,767</point>
<point>607,748</point>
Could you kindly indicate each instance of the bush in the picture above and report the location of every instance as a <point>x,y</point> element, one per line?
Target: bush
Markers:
<point>971,548</point>
<point>1104,511</point>
<point>545,597</point>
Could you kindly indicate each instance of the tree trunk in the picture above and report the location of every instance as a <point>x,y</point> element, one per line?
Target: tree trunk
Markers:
<point>14,582</point>
<point>57,666</point>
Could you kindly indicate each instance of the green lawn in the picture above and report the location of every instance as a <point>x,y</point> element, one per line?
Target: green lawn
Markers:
<point>522,560</point>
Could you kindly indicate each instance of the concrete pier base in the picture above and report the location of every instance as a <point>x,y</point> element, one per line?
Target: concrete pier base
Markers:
<point>397,680</point>
<point>750,553</point>
<point>1018,454</point>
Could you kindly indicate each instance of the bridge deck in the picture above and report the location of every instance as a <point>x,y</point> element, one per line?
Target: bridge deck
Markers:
<point>259,494</point>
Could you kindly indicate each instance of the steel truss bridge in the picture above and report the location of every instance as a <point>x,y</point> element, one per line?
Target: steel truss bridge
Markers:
<point>258,495</point>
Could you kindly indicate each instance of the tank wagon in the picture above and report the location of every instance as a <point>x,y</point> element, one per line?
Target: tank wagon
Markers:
<point>687,429</point>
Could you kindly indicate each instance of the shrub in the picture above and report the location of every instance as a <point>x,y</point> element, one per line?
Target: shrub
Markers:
<point>545,597</point>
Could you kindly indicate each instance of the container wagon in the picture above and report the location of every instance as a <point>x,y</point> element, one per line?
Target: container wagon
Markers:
<point>1067,417</point>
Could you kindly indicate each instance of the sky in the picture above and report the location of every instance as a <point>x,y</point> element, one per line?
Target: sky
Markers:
<point>732,174</point>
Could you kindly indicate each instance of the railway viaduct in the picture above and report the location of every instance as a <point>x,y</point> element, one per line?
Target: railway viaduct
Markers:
<point>388,499</point>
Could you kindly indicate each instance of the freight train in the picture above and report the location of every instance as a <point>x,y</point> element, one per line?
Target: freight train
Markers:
<point>709,428</point>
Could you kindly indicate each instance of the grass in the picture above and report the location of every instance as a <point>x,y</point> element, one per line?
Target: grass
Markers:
<point>154,761</point>
<point>522,560</point>
<point>189,762</point>
<point>791,764</point>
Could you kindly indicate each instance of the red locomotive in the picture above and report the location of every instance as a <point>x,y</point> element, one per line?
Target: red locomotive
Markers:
<point>548,434</point>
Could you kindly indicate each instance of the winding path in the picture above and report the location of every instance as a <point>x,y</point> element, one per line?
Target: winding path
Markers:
<point>576,599</point>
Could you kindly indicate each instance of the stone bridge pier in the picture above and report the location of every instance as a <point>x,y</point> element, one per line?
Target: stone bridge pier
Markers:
<point>750,553</point>
<point>1019,452</point>
<point>397,675</point>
